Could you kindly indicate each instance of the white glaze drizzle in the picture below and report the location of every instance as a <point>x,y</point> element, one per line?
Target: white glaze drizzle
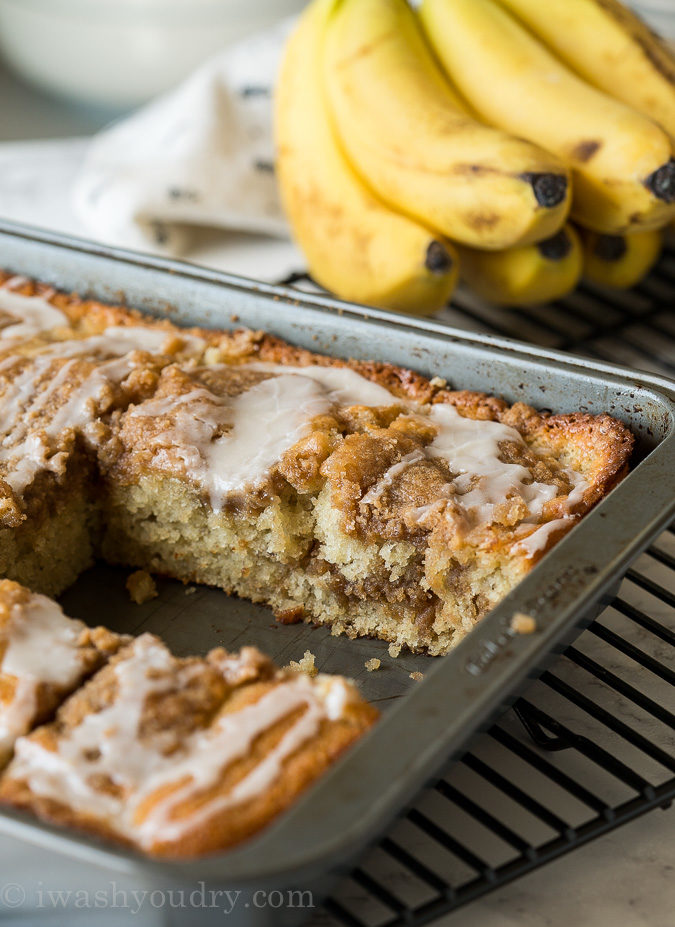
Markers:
<point>345,387</point>
<point>472,447</point>
<point>263,423</point>
<point>119,340</point>
<point>25,451</point>
<point>33,315</point>
<point>41,647</point>
<point>26,442</point>
<point>481,481</point>
<point>387,479</point>
<point>16,281</point>
<point>539,538</point>
<point>270,417</point>
<point>107,743</point>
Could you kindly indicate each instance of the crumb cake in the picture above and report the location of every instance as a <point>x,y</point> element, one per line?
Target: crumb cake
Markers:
<point>44,656</point>
<point>358,495</point>
<point>180,757</point>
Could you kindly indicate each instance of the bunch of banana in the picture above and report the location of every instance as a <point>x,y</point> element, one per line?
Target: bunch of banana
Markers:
<point>477,122</point>
<point>354,244</point>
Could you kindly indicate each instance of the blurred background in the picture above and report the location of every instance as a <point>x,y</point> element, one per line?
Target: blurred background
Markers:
<point>70,68</point>
<point>112,55</point>
<point>101,58</point>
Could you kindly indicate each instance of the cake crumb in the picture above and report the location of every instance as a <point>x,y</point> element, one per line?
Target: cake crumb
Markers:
<point>290,615</point>
<point>523,624</point>
<point>440,382</point>
<point>372,665</point>
<point>417,676</point>
<point>307,665</point>
<point>394,650</point>
<point>190,590</point>
<point>141,587</point>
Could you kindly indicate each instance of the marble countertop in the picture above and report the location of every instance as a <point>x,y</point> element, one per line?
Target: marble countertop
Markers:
<point>625,878</point>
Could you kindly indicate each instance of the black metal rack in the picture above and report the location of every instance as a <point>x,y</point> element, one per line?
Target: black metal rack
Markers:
<point>590,746</point>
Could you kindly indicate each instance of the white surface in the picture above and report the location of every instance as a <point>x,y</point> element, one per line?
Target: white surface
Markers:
<point>624,879</point>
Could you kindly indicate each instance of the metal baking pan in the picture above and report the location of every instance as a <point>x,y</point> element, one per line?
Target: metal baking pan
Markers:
<point>424,723</point>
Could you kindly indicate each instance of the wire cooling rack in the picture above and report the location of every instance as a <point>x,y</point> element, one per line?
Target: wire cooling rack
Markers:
<point>592,744</point>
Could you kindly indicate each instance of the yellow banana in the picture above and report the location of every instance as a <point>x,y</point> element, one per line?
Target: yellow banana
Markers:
<point>623,169</point>
<point>412,140</point>
<point>527,275</point>
<point>354,244</point>
<point>611,48</point>
<point>620,261</point>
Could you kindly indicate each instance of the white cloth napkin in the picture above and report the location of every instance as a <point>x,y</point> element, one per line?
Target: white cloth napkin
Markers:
<point>199,156</point>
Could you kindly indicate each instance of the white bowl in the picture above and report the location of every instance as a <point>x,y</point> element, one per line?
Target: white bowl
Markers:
<point>119,53</point>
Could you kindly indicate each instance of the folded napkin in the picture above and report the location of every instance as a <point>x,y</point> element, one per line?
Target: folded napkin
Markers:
<point>199,156</point>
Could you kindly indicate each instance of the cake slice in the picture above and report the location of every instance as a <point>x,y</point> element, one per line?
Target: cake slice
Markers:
<point>65,364</point>
<point>361,496</point>
<point>180,757</point>
<point>44,656</point>
<point>52,411</point>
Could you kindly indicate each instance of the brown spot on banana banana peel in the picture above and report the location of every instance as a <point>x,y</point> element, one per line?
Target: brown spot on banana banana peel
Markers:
<point>662,182</point>
<point>557,247</point>
<point>363,50</point>
<point>584,151</point>
<point>437,260</point>
<point>550,190</point>
<point>476,170</point>
<point>482,220</point>
<point>610,247</point>
<point>651,44</point>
